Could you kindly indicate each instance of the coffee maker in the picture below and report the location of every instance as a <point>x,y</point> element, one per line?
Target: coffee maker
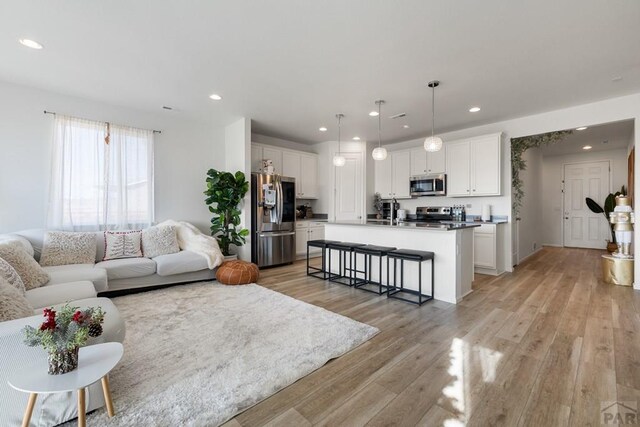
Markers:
<point>388,208</point>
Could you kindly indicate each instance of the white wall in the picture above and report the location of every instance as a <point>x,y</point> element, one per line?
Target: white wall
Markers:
<point>552,175</point>
<point>530,216</point>
<point>238,158</point>
<point>183,153</point>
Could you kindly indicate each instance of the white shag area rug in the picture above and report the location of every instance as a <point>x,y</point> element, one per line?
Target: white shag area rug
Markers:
<point>199,354</point>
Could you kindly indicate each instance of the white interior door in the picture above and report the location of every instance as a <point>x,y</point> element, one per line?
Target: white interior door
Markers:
<point>349,189</point>
<point>583,228</point>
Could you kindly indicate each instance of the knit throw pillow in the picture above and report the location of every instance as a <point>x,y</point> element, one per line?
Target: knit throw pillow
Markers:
<point>122,244</point>
<point>31,273</point>
<point>159,240</point>
<point>64,248</point>
<point>13,304</point>
<point>10,274</point>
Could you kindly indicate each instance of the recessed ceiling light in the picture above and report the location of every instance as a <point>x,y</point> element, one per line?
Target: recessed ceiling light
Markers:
<point>405,126</point>
<point>582,128</point>
<point>215,97</point>
<point>356,138</point>
<point>587,147</point>
<point>323,129</point>
<point>30,43</point>
<point>616,79</point>
<point>373,114</point>
<point>474,109</point>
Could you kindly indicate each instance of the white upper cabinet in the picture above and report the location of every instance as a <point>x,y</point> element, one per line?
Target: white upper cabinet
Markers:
<point>392,175</point>
<point>473,167</point>
<point>275,156</point>
<point>458,169</point>
<point>401,166</point>
<point>291,167</point>
<point>382,177</point>
<point>418,161</point>
<point>485,167</point>
<point>436,161</point>
<point>260,153</point>
<point>424,163</point>
<point>308,183</point>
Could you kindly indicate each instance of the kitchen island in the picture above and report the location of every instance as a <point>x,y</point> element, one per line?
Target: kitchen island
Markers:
<point>451,243</point>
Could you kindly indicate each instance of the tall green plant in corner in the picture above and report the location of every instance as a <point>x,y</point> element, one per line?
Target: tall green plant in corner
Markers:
<point>225,192</point>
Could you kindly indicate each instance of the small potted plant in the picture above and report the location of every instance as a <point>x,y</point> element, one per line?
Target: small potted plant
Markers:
<point>63,333</point>
<point>225,192</point>
<point>377,205</point>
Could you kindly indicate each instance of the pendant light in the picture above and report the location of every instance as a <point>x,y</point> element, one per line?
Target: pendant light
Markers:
<point>433,143</point>
<point>338,159</point>
<point>379,153</point>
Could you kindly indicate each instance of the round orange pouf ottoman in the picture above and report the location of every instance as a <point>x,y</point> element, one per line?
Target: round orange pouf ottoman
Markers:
<point>237,273</point>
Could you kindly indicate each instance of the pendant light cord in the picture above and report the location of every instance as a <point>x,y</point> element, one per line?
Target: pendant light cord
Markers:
<point>339,125</point>
<point>433,110</point>
<point>379,125</point>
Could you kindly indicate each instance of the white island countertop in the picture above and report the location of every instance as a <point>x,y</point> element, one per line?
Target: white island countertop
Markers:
<point>428,226</point>
<point>452,245</point>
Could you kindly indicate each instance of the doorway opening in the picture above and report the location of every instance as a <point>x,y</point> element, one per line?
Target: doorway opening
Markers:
<point>592,162</point>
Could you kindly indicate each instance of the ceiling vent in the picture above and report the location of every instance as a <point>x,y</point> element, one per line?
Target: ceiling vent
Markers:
<point>397,116</point>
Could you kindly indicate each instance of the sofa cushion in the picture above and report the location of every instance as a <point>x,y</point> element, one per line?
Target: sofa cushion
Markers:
<point>30,272</point>
<point>13,303</point>
<point>122,244</point>
<point>10,274</point>
<point>180,262</point>
<point>78,272</point>
<point>159,240</point>
<point>15,238</point>
<point>49,294</point>
<point>63,248</point>
<point>127,268</point>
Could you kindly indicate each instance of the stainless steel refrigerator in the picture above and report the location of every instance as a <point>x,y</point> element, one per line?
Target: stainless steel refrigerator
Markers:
<point>273,219</point>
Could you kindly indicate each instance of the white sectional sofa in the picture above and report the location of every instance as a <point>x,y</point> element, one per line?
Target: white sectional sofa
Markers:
<point>126,273</point>
<point>53,409</point>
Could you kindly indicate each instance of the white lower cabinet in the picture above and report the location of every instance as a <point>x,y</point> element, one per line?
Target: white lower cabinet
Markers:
<point>305,231</point>
<point>487,249</point>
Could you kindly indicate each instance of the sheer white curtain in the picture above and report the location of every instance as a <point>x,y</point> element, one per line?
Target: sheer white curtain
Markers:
<point>97,185</point>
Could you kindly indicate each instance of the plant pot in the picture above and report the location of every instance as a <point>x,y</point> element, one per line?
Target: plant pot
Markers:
<point>63,361</point>
<point>231,257</point>
<point>612,247</point>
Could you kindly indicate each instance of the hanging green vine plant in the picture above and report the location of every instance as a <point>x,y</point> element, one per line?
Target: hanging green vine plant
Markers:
<point>518,147</point>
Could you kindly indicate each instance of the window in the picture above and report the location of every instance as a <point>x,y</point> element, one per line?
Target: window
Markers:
<point>101,176</point>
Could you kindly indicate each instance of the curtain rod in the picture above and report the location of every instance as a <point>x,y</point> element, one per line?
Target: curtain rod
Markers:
<point>51,112</point>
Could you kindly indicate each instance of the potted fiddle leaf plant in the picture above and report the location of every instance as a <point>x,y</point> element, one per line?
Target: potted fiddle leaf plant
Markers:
<point>609,206</point>
<point>225,192</point>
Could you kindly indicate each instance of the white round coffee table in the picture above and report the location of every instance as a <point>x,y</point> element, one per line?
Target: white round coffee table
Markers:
<point>94,363</point>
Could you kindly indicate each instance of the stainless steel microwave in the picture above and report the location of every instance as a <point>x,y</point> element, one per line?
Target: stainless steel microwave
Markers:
<point>429,185</point>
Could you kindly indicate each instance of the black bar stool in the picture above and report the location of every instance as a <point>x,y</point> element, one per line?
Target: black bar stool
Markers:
<point>369,251</point>
<point>345,274</point>
<point>399,292</point>
<point>319,273</point>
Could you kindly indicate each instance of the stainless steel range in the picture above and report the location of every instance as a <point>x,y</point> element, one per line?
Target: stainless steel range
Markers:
<point>433,214</point>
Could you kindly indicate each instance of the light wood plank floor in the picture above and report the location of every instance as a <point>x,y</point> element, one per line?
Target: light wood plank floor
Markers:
<point>542,346</point>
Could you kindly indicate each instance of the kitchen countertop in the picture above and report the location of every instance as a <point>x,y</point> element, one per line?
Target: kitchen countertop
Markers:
<point>413,225</point>
<point>311,219</point>
<point>493,221</point>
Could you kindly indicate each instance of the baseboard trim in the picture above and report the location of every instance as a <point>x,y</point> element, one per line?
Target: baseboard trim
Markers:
<point>530,255</point>
<point>553,245</point>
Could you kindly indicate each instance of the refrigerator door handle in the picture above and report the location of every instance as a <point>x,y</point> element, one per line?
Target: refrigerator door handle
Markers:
<point>277,234</point>
<point>280,201</point>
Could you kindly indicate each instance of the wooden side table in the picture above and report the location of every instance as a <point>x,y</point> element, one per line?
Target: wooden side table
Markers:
<point>94,363</point>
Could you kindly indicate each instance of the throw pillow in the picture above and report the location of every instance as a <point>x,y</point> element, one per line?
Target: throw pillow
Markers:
<point>31,273</point>
<point>159,240</point>
<point>10,274</point>
<point>122,244</point>
<point>63,248</point>
<point>13,304</point>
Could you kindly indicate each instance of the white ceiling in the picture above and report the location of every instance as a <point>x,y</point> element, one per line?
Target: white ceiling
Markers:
<point>291,65</point>
<point>617,136</point>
